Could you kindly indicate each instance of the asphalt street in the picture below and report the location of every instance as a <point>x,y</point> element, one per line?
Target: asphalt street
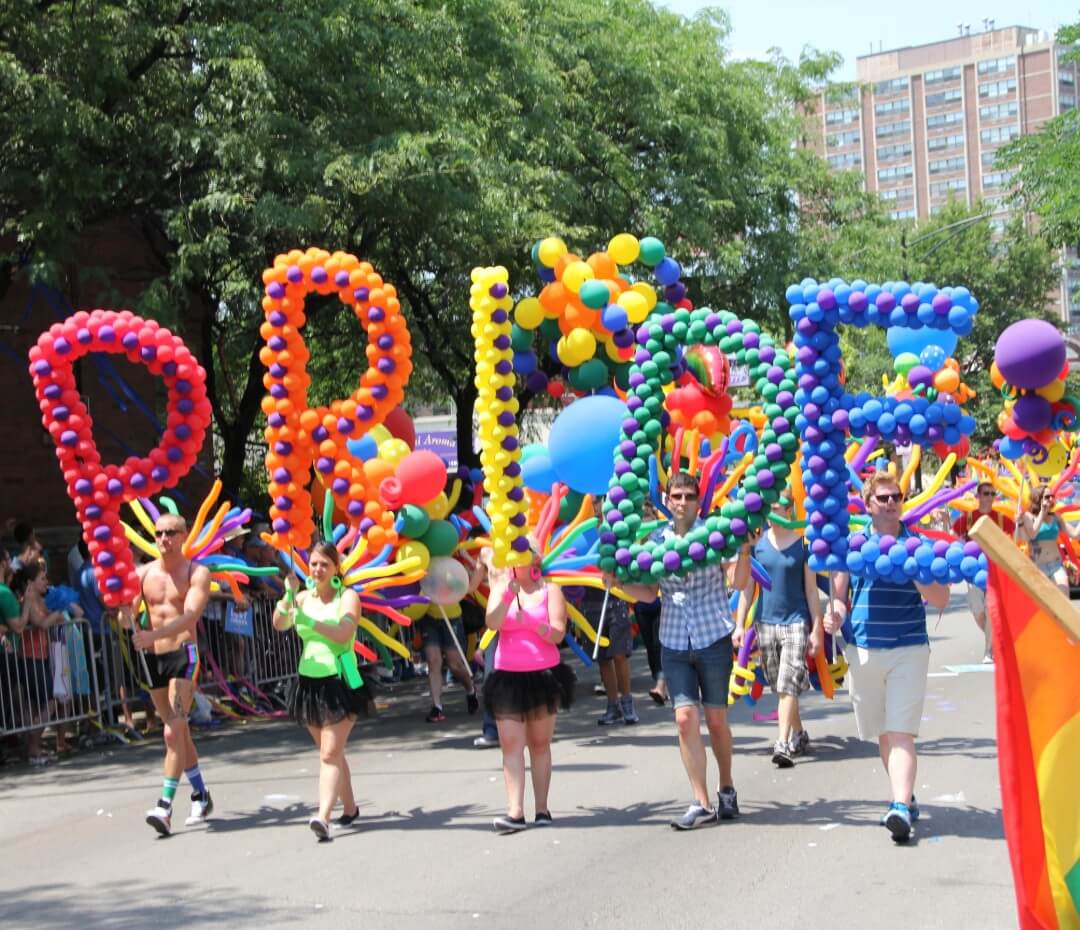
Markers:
<point>808,849</point>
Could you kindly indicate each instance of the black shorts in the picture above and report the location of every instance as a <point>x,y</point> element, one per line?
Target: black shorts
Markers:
<point>179,665</point>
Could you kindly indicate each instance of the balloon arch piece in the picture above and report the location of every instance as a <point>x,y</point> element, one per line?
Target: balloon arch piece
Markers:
<point>720,535</point>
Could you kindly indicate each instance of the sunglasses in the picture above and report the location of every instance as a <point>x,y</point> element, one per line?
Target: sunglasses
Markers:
<point>986,494</point>
<point>683,497</point>
<point>166,534</point>
<point>888,498</point>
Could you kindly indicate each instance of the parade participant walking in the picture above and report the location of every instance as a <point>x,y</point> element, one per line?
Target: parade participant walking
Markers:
<point>696,656</point>
<point>174,592</point>
<point>528,685</point>
<point>888,655</point>
<point>788,624</point>
<point>329,692</point>
<point>1040,527</point>
<point>976,597</point>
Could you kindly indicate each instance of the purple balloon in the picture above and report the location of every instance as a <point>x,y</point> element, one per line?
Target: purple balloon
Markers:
<point>1030,354</point>
<point>1032,413</point>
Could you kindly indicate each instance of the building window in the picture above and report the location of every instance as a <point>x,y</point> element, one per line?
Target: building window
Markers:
<point>944,119</point>
<point>988,159</point>
<point>998,134</point>
<point>838,96</point>
<point>997,111</point>
<point>893,129</point>
<point>944,74</point>
<point>940,188</point>
<point>997,88</point>
<point>943,97</point>
<point>908,214</point>
<point>1067,101</point>
<point>938,143</point>
<point>895,174</point>
<point>946,164</point>
<point>893,106</point>
<point>996,179</point>
<point>898,194</point>
<point>835,117</point>
<point>851,137</point>
<point>890,87</point>
<point>886,152</point>
<point>996,65</point>
<point>845,162</point>
<point>1067,77</point>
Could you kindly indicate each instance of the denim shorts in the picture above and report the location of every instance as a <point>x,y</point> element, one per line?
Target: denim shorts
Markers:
<point>699,676</point>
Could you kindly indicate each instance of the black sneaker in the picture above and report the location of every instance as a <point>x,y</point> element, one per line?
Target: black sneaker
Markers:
<point>472,702</point>
<point>543,819</point>
<point>346,819</point>
<point>728,807</point>
<point>435,715</point>
<point>505,824</point>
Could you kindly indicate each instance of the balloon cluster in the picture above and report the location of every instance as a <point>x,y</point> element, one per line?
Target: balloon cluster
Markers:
<point>701,401</point>
<point>587,309</point>
<point>914,558</point>
<point>99,490</point>
<point>828,412</point>
<point>1030,369</point>
<point>300,436</point>
<point>497,410</point>
<point>721,534</point>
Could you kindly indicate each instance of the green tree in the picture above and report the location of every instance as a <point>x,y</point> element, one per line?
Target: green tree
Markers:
<point>1047,165</point>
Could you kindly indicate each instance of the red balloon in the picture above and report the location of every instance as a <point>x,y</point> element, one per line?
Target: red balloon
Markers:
<point>401,426</point>
<point>422,476</point>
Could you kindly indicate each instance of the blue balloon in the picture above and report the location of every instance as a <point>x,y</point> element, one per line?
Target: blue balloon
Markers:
<point>583,441</point>
<point>525,362</point>
<point>901,339</point>
<point>363,448</point>
<point>537,473</point>
<point>933,357</point>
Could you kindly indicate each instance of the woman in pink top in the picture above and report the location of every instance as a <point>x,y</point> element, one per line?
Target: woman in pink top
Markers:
<point>528,684</point>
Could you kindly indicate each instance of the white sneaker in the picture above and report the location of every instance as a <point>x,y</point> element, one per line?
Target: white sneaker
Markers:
<point>988,659</point>
<point>201,809</point>
<point>160,818</point>
<point>321,829</point>
<point>485,742</point>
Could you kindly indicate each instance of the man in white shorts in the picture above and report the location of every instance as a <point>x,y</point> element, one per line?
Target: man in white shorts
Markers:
<point>888,655</point>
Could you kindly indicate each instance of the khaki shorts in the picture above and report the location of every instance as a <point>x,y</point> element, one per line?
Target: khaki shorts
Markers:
<point>887,688</point>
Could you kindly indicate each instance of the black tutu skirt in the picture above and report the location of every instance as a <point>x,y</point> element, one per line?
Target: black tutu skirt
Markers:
<point>323,701</point>
<point>521,695</point>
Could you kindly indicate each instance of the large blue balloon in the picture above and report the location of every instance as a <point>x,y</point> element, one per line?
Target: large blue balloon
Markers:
<point>903,339</point>
<point>583,440</point>
<point>363,448</point>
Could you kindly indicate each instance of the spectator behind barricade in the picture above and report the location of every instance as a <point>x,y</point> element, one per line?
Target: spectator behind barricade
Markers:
<point>27,547</point>
<point>30,584</point>
<point>76,558</point>
<point>259,555</point>
<point>10,612</point>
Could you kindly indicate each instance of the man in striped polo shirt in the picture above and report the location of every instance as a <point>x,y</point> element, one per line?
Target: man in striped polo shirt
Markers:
<point>889,654</point>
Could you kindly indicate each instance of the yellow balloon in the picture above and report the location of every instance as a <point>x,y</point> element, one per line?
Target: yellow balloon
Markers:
<point>528,314</point>
<point>551,250</point>
<point>1053,392</point>
<point>624,249</point>
<point>576,274</point>
<point>612,351</point>
<point>565,351</point>
<point>635,305</point>
<point>438,508</point>
<point>415,611</point>
<point>1057,461</point>
<point>647,291</point>
<point>452,611</point>
<point>417,549</point>
<point>393,450</point>
<point>582,343</point>
<point>380,434</point>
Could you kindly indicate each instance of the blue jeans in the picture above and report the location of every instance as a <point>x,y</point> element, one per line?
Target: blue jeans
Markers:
<point>491,731</point>
<point>699,676</point>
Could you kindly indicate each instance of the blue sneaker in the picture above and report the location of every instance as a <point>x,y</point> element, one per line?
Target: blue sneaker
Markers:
<point>695,816</point>
<point>913,809</point>
<point>898,821</point>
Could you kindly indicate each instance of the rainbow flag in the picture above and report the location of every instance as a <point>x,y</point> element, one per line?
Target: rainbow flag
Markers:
<point>1038,718</point>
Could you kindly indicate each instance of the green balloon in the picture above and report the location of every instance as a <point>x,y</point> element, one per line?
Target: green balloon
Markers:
<point>415,521</point>
<point>520,339</point>
<point>904,362</point>
<point>607,565</point>
<point>550,329</point>
<point>593,374</point>
<point>652,251</point>
<point>594,294</point>
<point>622,376</point>
<point>441,538</point>
<point>569,507</point>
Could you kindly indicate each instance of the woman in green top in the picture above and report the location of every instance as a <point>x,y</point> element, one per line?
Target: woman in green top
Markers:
<point>329,693</point>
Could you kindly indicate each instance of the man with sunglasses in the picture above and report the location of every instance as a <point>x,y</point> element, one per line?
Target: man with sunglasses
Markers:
<point>888,654</point>
<point>696,656</point>
<point>174,592</point>
<point>976,597</point>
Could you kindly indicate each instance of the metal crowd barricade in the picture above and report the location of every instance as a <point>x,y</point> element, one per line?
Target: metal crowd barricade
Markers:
<point>40,692</point>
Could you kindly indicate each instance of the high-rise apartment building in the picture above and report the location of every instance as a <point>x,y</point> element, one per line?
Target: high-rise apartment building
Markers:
<point>924,123</point>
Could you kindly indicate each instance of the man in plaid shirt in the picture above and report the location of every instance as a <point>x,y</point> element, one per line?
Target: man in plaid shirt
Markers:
<point>697,657</point>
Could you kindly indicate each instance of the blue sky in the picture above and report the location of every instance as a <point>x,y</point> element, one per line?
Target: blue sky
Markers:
<point>849,28</point>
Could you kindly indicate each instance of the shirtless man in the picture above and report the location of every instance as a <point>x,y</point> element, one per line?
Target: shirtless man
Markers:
<point>175,593</point>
